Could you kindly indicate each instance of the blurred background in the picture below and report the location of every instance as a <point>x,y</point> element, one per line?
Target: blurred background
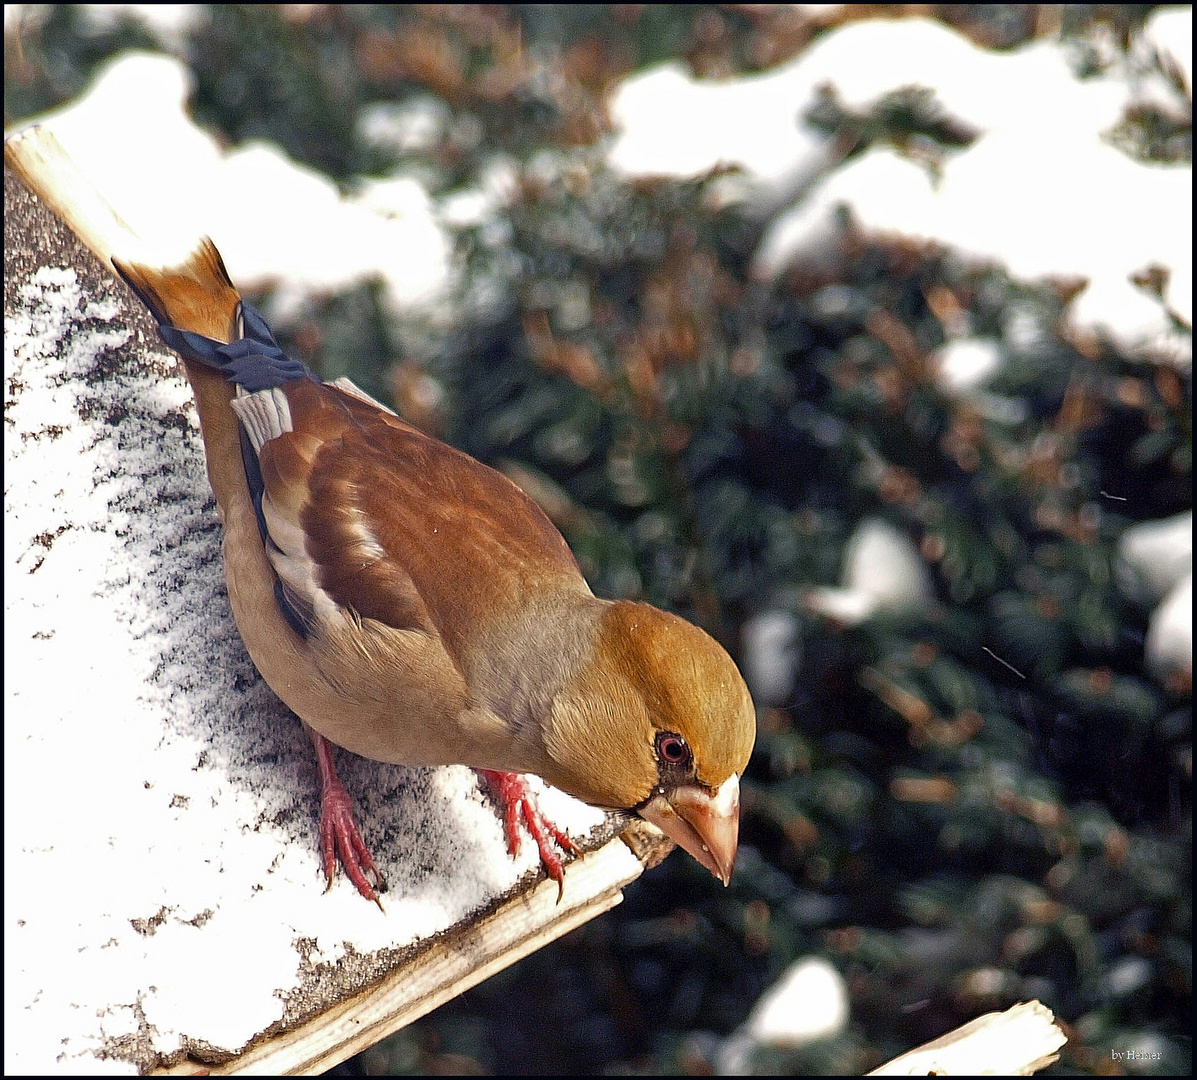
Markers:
<point>859,335</point>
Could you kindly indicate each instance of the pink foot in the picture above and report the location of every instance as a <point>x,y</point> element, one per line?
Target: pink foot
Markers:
<point>338,831</point>
<point>511,789</point>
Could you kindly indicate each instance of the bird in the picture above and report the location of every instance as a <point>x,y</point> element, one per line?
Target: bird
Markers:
<point>412,605</point>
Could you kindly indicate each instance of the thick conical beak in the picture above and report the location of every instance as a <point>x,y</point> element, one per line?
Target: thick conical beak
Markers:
<point>705,825</point>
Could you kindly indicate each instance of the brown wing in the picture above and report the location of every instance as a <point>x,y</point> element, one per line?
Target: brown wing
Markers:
<point>398,526</point>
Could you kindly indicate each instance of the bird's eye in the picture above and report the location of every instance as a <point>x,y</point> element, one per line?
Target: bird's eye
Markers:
<point>672,749</point>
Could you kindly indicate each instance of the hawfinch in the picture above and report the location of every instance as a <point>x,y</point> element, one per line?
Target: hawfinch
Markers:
<point>414,606</point>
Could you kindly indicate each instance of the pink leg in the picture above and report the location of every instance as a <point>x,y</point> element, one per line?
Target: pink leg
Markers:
<point>511,789</point>
<point>338,831</point>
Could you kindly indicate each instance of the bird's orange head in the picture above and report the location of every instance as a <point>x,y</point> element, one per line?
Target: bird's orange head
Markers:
<point>659,721</point>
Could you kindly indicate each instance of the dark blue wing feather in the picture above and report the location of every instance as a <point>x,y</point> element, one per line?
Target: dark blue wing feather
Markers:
<point>255,362</point>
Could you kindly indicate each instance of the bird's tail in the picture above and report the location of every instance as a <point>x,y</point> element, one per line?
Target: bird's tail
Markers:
<point>191,291</point>
<point>196,295</point>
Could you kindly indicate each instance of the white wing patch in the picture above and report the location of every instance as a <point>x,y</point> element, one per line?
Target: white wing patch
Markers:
<point>295,568</point>
<point>366,546</point>
<point>265,415</point>
<point>353,390</point>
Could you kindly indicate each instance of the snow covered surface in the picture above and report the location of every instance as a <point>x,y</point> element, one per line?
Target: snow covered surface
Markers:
<point>272,219</point>
<point>772,654</point>
<point>1168,647</point>
<point>809,1001</point>
<point>1035,191</point>
<point>883,571</point>
<point>1159,553</point>
<point>1156,560</point>
<point>161,870</point>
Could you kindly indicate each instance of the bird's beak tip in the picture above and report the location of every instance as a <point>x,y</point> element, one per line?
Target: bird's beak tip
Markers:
<point>704,824</point>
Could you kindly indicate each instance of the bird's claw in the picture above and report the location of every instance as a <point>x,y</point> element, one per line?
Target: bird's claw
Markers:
<point>339,835</point>
<point>519,801</point>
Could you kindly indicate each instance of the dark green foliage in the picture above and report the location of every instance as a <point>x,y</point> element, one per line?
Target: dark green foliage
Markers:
<point>54,49</point>
<point>259,74</point>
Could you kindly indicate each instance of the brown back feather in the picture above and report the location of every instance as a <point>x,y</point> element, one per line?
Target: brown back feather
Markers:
<point>400,524</point>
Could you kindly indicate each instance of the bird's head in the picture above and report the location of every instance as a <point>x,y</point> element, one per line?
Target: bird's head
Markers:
<point>659,721</point>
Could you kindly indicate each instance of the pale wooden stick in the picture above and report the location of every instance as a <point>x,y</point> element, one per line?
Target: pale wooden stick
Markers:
<point>1018,1042</point>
